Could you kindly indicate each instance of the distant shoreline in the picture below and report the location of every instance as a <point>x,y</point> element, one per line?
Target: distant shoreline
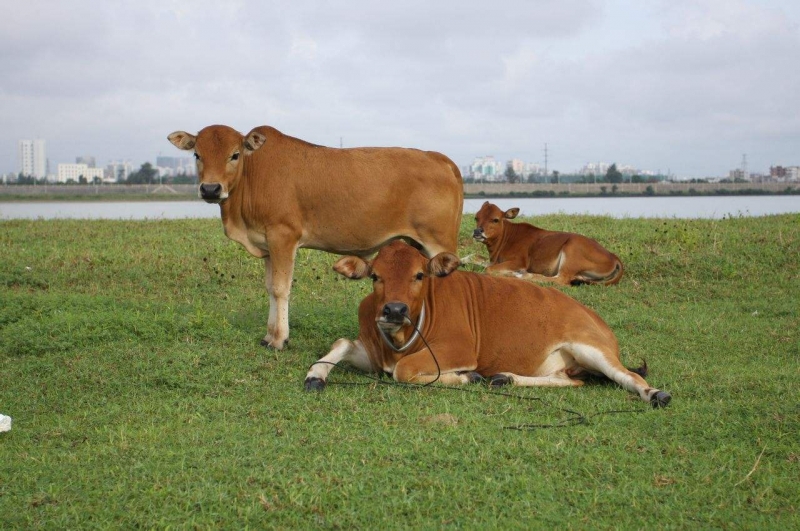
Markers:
<point>188,192</point>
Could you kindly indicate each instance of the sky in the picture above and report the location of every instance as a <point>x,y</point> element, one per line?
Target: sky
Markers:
<point>680,86</point>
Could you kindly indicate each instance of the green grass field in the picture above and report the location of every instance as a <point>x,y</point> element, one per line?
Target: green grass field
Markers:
<point>129,361</point>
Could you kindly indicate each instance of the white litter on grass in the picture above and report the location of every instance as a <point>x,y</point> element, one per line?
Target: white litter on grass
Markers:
<point>5,423</point>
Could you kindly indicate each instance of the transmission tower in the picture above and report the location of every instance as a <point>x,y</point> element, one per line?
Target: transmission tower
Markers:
<point>545,160</point>
<point>744,166</point>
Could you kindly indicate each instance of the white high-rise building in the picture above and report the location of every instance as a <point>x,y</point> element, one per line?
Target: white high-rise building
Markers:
<point>32,155</point>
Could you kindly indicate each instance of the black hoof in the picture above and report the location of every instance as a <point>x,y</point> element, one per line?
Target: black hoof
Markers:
<point>473,377</point>
<point>499,380</point>
<point>314,384</point>
<point>270,346</point>
<point>660,399</point>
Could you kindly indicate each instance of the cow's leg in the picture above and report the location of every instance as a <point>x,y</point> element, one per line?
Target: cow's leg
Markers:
<point>608,363</point>
<point>342,351</point>
<point>282,254</point>
<point>507,269</point>
<point>589,265</point>
<point>610,276</point>
<point>420,368</point>
<point>549,269</point>
<point>557,379</point>
<point>476,260</point>
<point>516,270</point>
<point>273,307</point>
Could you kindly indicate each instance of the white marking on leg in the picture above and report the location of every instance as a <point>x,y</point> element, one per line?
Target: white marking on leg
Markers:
<point>342,351</point>
<point>594,359</point>
<point>558,379</point>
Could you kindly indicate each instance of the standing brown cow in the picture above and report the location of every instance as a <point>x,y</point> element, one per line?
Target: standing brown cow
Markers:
<point>475,326</point>
<point>526,251</point>
<point>278,194</point>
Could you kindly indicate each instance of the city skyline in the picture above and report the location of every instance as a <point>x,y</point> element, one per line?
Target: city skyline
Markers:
<point>481,167</point>
<point>683,85</point>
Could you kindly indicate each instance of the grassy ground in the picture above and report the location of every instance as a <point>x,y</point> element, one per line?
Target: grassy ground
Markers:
<point>130,363</point>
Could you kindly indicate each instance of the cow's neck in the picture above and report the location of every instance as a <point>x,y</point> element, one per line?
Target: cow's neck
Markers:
<point>510,230</point>
<point>496,246</point>
<point>233,222</point>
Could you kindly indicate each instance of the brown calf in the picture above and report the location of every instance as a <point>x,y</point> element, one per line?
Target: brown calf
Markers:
<point>278,194</point>
<point>526,251</point>
<point>476,325</point>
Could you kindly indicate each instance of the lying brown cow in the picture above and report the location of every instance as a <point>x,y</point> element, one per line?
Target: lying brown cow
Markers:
<point>476,325</point>
<point>278,194</point>
<point>525,251</point>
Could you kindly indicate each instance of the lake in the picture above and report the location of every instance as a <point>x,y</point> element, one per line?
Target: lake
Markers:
<point>709,207</point>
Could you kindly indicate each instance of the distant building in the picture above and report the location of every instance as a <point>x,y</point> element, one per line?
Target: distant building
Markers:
<point>629,170</point>
<point>777,172</point>
<point>594,168</point>
<point>74,172</point>
<point>487,169</point>
<point>784,173</point>
<point>176,166</point>
<point>531,168</point>
<point>517,165</point>
<point>32,156</point>
<point>738,174</point>
<point>88,160</point>
<point>117,171</point>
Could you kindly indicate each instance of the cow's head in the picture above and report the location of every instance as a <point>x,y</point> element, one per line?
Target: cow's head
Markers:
<point>400,275</point>
<point>489,221</point>
<point>218,150</point>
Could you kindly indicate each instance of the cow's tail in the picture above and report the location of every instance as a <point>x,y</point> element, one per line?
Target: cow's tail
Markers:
<point>641,371</point>
<point>616,275</point>
<point>590,277</point>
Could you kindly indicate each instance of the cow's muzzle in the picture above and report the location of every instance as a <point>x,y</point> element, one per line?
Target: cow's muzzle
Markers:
<point>478,234</point>
<point>395,313</point>
<point>211,192</point>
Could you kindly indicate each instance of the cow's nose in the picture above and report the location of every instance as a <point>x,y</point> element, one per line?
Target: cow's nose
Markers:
<point>210,190</point>
<point>477,232</point>
<point>395,312</point>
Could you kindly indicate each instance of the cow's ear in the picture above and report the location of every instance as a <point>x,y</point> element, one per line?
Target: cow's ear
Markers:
<point>182,140</point>
<point>511,213</point>
<point>443,264</point>
<point>253,141</point>
<point>485,203</point>
<point>352,267</point>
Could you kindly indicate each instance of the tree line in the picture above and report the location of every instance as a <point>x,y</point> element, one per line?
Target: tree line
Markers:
<point>612,175</point>
<point>146,174</point>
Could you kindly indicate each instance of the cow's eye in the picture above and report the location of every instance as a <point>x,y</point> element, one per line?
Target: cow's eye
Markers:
<point>374,277</point>
<point>495,220</point>
<point>196,156</point>
<point>420,276</point>
<point>235,156</point>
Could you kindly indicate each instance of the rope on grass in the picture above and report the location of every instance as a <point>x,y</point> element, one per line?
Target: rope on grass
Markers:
<point>575,418</point>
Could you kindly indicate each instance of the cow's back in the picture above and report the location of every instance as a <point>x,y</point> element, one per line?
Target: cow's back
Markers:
<point>508,319</point>
<point>352,200</point>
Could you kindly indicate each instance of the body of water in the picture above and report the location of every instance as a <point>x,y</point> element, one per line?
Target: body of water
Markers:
<point>709,207</point>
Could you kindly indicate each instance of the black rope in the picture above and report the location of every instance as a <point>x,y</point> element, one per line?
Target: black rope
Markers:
<point>576,418</point>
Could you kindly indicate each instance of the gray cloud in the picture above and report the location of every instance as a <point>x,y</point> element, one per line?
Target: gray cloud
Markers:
<point>684,85</point>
